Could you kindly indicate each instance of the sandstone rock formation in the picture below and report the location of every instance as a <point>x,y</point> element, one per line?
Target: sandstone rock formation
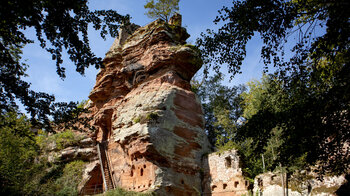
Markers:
<point>150,126</point>
<point>83,148</point>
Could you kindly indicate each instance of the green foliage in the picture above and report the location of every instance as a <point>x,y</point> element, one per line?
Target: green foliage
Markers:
<point>250,163</point>
<point>221,106</point>
<point>195,85</point>
<point>61,140</point>
<point>122,192</point>
<point>260,96</point>
<point>249,17</point>
<point>193,47</point>
<point>136,120</point>
<point>152,116</point>
<point>308,97</point>
<point>54,36</point>
<point>162,9</point>
<point>82,104</point>
<point>268,98</point>
<point>64,139</point>
<point>17,153</point>
<point>40,177</point>
<point>23,172</point>
<point>148,117</point>
<point>68,182</point>
<point>55,179</point>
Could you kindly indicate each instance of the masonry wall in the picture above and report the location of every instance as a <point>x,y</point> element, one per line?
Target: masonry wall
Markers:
<point>223,176</point>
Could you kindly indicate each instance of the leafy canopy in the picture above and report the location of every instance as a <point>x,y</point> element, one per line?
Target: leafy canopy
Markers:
<point>24,166</point>
<point>221,108</point>
<point>60,26</point>
<point>162,9</point>
<point>311,89</point>
<point>18,151</point>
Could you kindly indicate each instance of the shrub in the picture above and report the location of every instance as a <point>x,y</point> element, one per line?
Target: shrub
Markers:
<point>61,140</point>
<point>152,116</point>
<point>72,173</point>
<point>17,153</point>
<point>137,120</point>
<point>66,138</point>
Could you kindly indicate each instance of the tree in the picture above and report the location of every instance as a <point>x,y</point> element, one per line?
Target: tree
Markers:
<point>267,95</point>
<point>222,109</point>
<point>162,9</point>
<point>296,122</point>
<point>275,22</point>
<point>18,151</point>
<point>315,79</point>
<point>60,26</point>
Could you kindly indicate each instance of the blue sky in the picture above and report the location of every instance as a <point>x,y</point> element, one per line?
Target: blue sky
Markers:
<point>197,17</point>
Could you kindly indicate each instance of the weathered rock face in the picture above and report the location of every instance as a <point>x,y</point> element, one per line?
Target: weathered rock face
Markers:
<point>84,148</point>
<point>223,175</point>
<point>149,123</point>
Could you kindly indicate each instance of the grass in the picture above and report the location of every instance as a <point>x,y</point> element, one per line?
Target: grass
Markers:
<point>149,117</point>
<point>122,192</point>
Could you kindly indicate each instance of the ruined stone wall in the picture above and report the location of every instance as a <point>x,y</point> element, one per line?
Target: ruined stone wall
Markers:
<point>223,176</point>
<point>299,184</point>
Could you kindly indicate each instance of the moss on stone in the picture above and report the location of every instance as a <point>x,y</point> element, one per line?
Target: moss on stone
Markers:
<point>174,48</point>
<point>144,118</point>
<point>325,189</point>
<point>136,120</point>
<point>152,116</point>
<point>193,47</point>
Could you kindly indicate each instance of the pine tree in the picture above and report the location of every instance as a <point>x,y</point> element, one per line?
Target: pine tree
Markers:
<point>162,9</point>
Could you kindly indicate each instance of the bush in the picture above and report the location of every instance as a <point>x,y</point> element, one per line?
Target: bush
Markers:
<point>17,153</point>
<point>60,140</point>
<point>65,139</point>
<point>58,179</point>
<point>72,174</point>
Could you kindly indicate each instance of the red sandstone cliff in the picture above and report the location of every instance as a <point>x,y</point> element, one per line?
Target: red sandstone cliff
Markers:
<point>149,123</point>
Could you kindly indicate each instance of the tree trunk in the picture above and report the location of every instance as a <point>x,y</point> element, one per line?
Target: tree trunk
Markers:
<point>282,180</point>
<point>287,177</point>
<point>263,162</point>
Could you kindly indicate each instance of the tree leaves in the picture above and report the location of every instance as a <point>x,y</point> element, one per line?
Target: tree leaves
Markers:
<point>60,26</point>
<point>311,102</point>
<point>162,9</point>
